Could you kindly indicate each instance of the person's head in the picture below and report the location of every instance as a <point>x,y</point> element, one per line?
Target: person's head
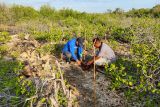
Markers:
<point>97,42</point>
<point>80,41</point>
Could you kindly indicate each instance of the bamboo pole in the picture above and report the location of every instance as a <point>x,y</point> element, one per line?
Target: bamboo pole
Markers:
<point>94,75</point>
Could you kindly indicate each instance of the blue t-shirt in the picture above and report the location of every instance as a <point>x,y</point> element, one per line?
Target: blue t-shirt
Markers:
<point>71,47</point>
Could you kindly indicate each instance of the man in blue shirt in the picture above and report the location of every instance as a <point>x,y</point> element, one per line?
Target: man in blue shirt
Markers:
<point>73,49</point>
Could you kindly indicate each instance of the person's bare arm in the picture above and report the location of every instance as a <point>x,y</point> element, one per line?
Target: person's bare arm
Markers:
<point>92,61</point>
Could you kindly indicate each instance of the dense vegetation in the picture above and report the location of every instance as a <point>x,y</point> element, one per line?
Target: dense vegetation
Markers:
<point>136,74</point>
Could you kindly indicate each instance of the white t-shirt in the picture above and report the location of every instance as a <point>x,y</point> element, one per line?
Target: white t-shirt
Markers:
<point>106,52</point>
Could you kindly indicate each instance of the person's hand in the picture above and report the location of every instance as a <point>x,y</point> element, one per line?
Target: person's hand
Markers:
<point>89,63</point>
<point>78,62</point>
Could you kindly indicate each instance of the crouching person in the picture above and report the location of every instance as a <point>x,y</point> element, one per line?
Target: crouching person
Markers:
<point>73,50</point>
<point>105,54</point>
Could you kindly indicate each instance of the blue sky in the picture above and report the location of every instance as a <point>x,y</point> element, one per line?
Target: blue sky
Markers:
<point>97,6</point>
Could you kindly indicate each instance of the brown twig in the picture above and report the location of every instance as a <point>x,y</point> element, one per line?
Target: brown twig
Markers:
<point>94,81</point>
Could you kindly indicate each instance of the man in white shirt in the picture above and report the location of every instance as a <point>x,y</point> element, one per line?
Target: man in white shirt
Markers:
<point>105,54</point>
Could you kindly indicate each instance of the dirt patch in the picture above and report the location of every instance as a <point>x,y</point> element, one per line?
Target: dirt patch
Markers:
<point>83,82</point>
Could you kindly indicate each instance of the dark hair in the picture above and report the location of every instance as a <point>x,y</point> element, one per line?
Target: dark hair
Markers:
<point>96,40</point>
<point>80,41</point>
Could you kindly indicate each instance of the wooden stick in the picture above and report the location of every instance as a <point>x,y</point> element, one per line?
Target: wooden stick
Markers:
<point>94,81</point>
